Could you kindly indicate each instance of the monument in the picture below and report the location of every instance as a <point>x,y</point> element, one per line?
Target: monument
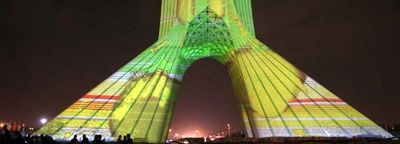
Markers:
<point>276,99</point>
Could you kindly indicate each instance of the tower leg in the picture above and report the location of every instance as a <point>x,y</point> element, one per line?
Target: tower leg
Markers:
<point>280,101</point>
<point>138,99</point>
<point>146,109</point>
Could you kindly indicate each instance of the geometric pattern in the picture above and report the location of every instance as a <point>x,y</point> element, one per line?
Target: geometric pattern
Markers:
<point>276,99</point>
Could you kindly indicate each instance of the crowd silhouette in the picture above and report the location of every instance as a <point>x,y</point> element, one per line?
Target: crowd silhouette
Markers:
<point>8,137</point>
<point>98,140</point>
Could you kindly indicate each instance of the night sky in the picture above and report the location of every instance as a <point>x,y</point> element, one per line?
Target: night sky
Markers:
<point>54,51</point>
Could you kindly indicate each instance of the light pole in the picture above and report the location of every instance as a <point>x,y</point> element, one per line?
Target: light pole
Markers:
<point>169,133</point>
<point>229,129</point>
<point>197,133</point>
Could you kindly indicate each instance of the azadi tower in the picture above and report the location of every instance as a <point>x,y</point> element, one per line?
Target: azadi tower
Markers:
<point>276,99</point>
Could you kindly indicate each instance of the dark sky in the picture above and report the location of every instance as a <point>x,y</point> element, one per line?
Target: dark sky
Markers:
<point>54,51</point>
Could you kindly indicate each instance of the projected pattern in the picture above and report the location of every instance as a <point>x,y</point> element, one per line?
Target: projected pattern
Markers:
<point>277,100</point>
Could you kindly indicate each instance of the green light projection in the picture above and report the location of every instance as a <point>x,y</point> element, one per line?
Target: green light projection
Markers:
<point>276,99</point>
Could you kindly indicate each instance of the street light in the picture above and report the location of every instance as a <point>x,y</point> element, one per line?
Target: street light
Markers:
<point>229,129</point>
<point>43,121</point>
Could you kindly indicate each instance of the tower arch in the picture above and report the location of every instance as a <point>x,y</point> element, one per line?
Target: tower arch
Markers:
<point>205,100</point>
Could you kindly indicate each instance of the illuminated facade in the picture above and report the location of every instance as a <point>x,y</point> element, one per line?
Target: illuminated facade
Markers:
<point>276,99</point>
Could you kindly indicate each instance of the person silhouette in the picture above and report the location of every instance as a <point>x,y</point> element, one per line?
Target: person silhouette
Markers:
<point>129,140</point>
<point>43,139</point>
<point>19,139</point>
<point>7,135</point>
<point>29,139</point>
<point>124,140</point>
<point>74,140</point>
<point>97,140</point>
<point>119,140</point>
<point>85,140</point>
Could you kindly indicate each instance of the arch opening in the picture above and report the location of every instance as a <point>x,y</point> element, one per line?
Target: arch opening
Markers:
<point>205,102</point>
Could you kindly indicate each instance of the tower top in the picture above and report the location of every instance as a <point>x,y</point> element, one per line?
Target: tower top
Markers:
<point>175,12</point>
